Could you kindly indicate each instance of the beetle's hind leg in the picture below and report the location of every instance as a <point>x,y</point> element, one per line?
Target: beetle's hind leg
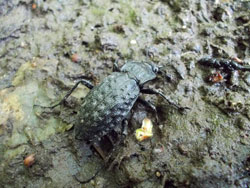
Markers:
<point>87,83</point>
<point>99,150</point>
<point>113,157</point>
<point>149,105</point>
<point>110,142</point>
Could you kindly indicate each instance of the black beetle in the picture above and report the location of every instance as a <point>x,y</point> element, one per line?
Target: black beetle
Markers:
<point>107,105</point>
<point>226,64</point>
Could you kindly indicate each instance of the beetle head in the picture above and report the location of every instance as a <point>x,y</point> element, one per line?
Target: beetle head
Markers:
<point>141,71</point>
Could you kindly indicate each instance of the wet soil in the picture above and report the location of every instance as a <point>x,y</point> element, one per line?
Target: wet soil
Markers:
<point>46,45</point>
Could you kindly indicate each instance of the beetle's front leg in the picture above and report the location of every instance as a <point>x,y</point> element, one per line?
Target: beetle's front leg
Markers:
<point>154,91</point>
<point>87,83</point>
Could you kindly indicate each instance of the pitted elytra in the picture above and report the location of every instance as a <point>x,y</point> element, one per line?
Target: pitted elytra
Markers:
<point>109,103</point>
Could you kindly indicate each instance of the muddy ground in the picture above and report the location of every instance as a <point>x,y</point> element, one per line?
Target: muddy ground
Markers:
<point>46,45</point>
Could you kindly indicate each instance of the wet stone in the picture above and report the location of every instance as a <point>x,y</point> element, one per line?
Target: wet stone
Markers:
<point>108,41</point>
<point>247,79</point>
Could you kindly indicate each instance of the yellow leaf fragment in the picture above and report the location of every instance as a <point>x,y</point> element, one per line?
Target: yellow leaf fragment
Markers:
<point>145,131</point>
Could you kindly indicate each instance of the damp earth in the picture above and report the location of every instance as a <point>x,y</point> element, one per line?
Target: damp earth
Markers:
<point>46,46</point>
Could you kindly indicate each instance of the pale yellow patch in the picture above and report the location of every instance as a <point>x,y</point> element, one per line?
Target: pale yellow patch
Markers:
<point>10,105</point>
<point>145,131</point>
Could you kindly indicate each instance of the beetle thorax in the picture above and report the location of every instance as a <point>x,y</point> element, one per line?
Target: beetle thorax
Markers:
<point>141,72</point>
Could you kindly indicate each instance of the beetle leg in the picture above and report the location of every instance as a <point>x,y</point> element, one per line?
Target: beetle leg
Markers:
<point>80,77</point>
<point>99,150</point>
<point>149,105</point>
<point>91,178</point>
<point>87,83</point>
<point>124,130</point>
<point>153,91</point>
<point>111,140</point>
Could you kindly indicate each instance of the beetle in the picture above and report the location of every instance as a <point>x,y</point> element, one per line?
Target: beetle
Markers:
<point>107,105</point>
<point>226,64</point>
<point>230,67</point>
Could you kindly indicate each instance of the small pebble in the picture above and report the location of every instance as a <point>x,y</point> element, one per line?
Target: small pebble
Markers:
<point>247,79</point>
<point>29,160</point>
<point>133,42</point>
<point>75,58</point>
<point>23,44</point>
<point>34,6</point>
<point>158,174</point>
